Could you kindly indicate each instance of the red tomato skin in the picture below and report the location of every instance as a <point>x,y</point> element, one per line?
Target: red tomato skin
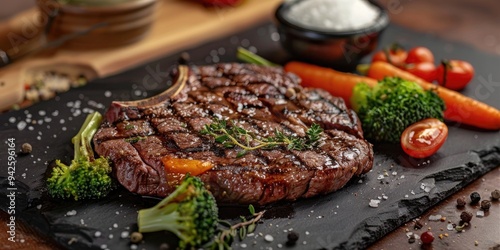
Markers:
<point>458,75</point>
<point>397,57</point>
<point>424,70</point>
<point>419,55</point>
<point>427,237</point>
<point>424,138</point>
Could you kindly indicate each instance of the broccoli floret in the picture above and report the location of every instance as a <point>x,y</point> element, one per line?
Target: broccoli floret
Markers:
<point>190,212</point>
<point>392,105</point>
<point>86,177</point>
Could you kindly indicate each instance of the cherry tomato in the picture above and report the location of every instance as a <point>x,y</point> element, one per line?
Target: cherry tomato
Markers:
<point>454,74</point>
<point>424,70</point>
<point>397,56</point>
<point>419,55</point>
<point>424,138</point>
<point>427,237</point>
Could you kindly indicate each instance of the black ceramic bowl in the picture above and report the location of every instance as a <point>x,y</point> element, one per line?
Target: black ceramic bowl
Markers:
<point>335,49</point>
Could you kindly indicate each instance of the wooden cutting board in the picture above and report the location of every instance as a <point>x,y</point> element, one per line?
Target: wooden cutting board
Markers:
<point>179,24</point>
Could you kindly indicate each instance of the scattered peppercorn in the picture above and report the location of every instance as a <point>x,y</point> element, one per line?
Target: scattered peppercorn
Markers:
<point>475,198</point>
<point>495,195</point>
<point>136,237</point>
<point>26,148</point>
<point>292,238</point>
<point>485,205</point>
<point>466,216</point>
<point>418,224</point>
<point>461,202</point>
<point>427,237</point>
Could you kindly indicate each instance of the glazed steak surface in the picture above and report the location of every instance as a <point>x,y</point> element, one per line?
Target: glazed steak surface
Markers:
<point>258,99</point>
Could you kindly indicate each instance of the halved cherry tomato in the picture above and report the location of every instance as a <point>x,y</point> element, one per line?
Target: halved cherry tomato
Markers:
<point>419,55</point>
<point>397,56</point>
<point>424,138</point>
<point>424,70</point>
<point>454,74</point>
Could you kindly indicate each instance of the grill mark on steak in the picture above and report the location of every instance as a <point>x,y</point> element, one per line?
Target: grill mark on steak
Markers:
<point>255,98</point>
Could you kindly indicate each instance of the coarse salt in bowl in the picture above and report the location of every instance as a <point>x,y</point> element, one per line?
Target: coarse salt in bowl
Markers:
<point>333,33</point>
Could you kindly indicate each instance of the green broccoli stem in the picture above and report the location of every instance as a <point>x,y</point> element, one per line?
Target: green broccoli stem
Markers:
<point>158,217</point>
<point>249,57</point>
<point>82,140</point>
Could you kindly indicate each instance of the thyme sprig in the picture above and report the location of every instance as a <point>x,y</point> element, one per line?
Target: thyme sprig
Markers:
<point>225,237</point>
<point>235,136</point>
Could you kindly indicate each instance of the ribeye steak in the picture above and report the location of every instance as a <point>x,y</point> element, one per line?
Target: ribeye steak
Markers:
<point>136,136</point>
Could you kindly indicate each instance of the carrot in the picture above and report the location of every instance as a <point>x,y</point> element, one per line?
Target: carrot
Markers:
<point>337,83</point>
<point>459,108</point>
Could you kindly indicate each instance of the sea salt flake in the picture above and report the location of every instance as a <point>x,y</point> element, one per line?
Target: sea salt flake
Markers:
<point>374,203</point>
<point>71,213</point>
<point>450,227</point>
<point>480,213</point>
<point>268,238</point>
<point>428,185</point>
<point>21,125</point>
<point>124,234</point>
<point>435,217</point>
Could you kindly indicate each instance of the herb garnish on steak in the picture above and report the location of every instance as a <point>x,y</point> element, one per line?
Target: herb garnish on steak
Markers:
<point>236,136</point>
<point>136,136</point>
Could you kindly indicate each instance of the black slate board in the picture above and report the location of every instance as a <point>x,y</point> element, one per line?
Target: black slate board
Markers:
<point>342,220</point>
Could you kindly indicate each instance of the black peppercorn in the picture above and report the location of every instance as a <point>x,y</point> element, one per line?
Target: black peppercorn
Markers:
<point>411,239</point>
<point>485,205</point>
<point>461,202</point>
<point>475,198</point>
<point>292,238</point>
<point>466,216</point>
<point>418,224</point>
<point>495,195</point>
<point>26,148</point>
<point>136,237</point>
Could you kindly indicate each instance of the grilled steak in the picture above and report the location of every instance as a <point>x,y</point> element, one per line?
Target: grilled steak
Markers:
<point>137,136</point>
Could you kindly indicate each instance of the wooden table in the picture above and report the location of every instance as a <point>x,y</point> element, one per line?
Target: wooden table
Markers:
<point>474,23</point>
